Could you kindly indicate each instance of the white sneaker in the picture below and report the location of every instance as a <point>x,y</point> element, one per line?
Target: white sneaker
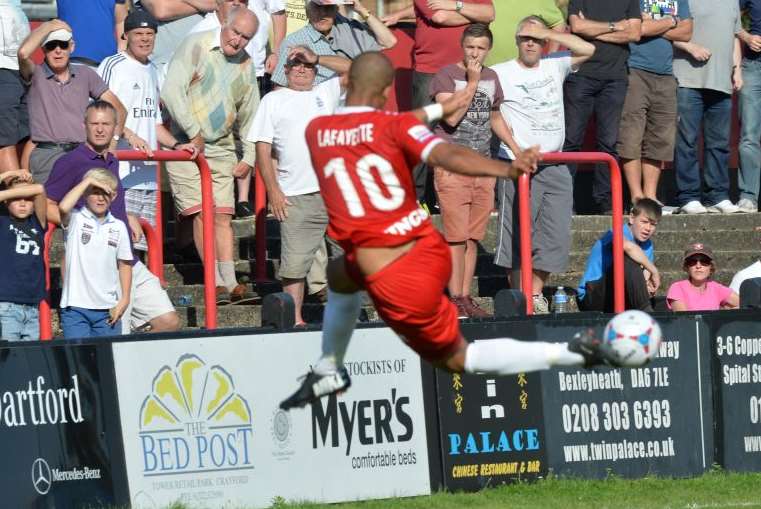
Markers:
<point>667,210</point>
<point>723,207</point>
<point>693,207</point>
<point>746,205</point>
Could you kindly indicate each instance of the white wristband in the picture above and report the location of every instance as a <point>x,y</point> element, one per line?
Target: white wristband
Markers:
<point>434,112</point>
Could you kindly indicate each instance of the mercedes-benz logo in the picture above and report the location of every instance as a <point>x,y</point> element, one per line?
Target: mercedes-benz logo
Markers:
<point>41,479</point>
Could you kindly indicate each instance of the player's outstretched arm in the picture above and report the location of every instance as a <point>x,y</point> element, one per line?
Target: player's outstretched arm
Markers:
<point>462,160</point>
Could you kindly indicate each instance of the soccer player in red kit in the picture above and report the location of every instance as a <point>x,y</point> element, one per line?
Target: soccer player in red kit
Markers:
<point>363,158</point>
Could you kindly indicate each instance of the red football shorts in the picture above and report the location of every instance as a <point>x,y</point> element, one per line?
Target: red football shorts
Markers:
<point>409,296</point>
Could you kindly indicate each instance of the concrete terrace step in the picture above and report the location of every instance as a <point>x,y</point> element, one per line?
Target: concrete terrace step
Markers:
<point>587,226</point>
<point>730,242</point>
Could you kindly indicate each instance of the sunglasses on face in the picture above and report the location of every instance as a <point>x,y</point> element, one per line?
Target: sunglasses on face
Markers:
<point>523,39</point>
<point>702,260</point>
<point>298,63</point>
<point>56,44</point>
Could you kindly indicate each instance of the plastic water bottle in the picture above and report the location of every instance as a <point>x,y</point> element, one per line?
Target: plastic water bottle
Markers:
<point>560,301</point>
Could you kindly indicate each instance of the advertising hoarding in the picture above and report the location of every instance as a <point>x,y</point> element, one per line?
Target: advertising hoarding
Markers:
<point>202,426</point>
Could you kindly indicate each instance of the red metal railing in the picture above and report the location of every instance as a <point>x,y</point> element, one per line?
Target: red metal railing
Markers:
<point>260,211</point>
<point>154,238</point>
<point>525,223</point>
<point>46,324</point>
<point>155,249</point>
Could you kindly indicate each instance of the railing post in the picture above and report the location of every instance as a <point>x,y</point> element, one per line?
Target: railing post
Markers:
<point>155,256</point>
<point>616,189</point>
<point>46,323</point>
<point>260,212</point>
<point>209,253</point>
<point>159,223</point>
<point>526,241</point>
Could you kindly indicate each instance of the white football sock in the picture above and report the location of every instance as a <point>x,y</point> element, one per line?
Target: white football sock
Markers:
<point>509,356</point>
<point>338,324</point>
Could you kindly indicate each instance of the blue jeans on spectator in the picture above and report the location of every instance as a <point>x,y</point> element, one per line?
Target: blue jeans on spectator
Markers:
<point>750,135</point>
<point>86,323</point>
<point>583,96</point>
<point>19,322</point>
<point>712,109</point>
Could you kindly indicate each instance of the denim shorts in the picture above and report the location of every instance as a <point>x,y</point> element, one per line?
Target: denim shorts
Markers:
<point>19,322</point>
<point>87,323</point>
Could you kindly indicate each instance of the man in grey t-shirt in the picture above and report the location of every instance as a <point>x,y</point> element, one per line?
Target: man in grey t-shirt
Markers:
<point>708,71</point>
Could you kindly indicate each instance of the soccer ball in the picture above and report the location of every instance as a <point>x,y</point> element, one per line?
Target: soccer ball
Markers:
<point>633,338</point>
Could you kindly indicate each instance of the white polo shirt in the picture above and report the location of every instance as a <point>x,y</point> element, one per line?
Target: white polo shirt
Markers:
<point>282,119</point>
<point>93,246</point>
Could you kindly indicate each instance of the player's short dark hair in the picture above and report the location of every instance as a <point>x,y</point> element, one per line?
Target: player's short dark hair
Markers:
<point>650,208</point>
<point>478,30</point>
<point>100,105</point>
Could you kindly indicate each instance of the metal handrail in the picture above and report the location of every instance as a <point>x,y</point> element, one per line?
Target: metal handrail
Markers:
<point>525,224</point>
<point>155,241</point>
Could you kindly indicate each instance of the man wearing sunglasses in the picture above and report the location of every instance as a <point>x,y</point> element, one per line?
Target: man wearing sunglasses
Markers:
<point>59,92</point>
<point>292,190</point>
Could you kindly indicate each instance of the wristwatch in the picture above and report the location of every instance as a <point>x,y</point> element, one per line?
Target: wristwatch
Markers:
<point>458,5</point>
<point>611,26</point>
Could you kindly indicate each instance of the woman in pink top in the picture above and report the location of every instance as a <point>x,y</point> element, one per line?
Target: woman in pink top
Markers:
<point>698,292</point>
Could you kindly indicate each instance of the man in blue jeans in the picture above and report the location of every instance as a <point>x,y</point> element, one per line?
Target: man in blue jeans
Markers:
<point>708,71</point>
<point>600,84</point>
<point>750,108</point>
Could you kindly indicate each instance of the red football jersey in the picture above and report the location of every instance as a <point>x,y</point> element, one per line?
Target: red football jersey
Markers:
<point>364,159</point>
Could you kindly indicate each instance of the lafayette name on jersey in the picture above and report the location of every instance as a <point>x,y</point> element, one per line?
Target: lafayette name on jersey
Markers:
<point>364,159</point>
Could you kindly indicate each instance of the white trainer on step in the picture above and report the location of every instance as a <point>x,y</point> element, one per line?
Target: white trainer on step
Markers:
<point>746,205</point>
<point>723,207</point>
<point>693,207</point>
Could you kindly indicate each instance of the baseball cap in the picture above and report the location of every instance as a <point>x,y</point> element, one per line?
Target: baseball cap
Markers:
<point>698,248</point>
<point>139,18</point>
<point>58,35</point>
<point>332,2</point>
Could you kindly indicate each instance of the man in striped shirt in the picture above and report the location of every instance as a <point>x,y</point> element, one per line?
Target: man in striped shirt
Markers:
<point>210,92</point>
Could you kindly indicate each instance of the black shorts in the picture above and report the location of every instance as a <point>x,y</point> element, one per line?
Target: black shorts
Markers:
<point>14,117</point>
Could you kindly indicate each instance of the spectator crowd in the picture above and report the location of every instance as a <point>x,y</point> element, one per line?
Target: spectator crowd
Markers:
<point>223,78</point>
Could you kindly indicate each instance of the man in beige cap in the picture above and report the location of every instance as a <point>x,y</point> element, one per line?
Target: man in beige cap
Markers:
<point>59,92</point>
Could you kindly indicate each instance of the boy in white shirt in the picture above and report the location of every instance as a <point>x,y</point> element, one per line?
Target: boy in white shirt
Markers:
<point>98,272</point>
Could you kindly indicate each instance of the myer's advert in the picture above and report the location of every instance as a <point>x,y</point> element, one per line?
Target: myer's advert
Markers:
<point>202,425</point>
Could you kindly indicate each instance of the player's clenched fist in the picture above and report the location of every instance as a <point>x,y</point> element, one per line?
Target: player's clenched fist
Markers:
<point>527,161</point>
